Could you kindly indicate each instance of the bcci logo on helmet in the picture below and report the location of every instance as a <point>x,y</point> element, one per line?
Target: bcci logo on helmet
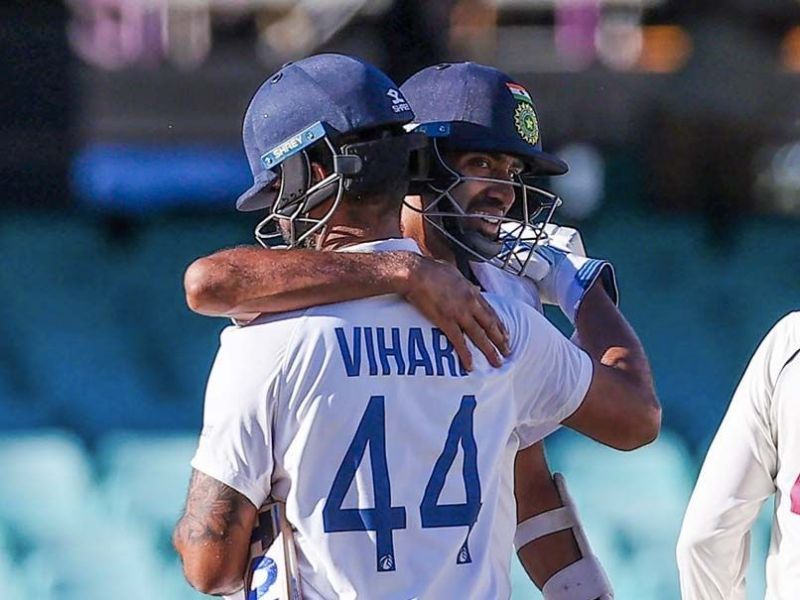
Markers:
<point>526,122</point>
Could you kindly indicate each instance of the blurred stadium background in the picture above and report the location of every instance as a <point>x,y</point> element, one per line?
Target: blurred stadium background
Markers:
<point>120,159</point>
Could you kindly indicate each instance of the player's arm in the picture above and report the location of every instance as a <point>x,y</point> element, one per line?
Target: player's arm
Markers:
<point>606,393</point>
<point>550,540</point>
<point>620,408</point>
<point>715,535</point>
<point>536,493</point>
<point>212,537</point>
<point>233,463</point>
<point>736,477</point>
<point>246,281</point>
<point>250,280</point>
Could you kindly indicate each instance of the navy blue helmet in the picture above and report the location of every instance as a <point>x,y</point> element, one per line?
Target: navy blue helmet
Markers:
<point>337,105</point>
<point>468,107</point>
<point>485,110</point>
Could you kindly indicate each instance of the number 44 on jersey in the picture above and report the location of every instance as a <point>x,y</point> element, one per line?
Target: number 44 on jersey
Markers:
<point>384,518</point>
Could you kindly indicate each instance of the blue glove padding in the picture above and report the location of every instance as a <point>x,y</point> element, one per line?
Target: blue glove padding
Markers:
<point>570,276</point>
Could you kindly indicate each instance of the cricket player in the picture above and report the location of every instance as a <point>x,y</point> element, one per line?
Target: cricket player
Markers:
<point>486,126</point>
<point>295,401</point>
<point>755,453</point>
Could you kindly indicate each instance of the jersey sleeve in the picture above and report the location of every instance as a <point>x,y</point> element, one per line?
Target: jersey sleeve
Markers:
<point>524,290</point>
<point>736,478</point>
<point>552,375</point>
<point>530,434</point>
<point>235,445</point>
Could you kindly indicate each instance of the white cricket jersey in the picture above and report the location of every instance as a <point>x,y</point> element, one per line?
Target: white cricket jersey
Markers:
<point>394,464</point>
<point>513,287</point>
<point>755,453</point>
<point>521,289</point>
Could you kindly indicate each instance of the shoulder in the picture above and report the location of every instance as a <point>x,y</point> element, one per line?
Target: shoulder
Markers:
<point>775,351</point>
<point>496,280</point>
<point>260,346</point>
<point>265,327</point>
<point>505,303</point>
<point>295,330</point>
<point>520,318</point>
<point>787,330</point>
<point>781,344</point>
<point>511,305</point>
<point>388,310</point>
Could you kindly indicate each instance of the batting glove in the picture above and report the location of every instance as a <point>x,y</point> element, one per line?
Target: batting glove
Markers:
<point>562,271</point>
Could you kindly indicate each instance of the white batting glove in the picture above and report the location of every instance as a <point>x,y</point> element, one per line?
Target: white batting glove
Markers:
<point>564,238</point>
<point>562,271</point>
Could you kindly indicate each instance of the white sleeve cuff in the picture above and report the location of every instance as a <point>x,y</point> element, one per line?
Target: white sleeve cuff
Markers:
<point>254,493</point>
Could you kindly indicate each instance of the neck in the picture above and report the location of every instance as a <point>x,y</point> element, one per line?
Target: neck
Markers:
<point>341,235</point>
<point>438,247</point>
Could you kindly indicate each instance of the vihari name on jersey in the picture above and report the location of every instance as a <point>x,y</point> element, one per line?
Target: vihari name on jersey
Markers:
<point>379,351</point>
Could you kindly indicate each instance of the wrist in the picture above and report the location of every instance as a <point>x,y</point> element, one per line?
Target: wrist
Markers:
<point>576,276</point>
<point>400,269</point>
<point>596,295</point>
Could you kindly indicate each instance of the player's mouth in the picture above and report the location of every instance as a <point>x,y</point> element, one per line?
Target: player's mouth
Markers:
<point>486,219</point>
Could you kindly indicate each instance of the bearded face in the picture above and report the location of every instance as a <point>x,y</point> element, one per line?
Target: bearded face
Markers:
<point>485,202</point>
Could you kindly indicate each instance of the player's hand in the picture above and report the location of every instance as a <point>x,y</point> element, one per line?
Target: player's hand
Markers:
<point>561,270</point>
<point>439,291</point>
<point>571,277</point>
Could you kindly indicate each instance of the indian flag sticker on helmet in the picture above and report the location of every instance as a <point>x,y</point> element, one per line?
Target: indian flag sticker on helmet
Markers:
<point>526,122</point>
<point>519,92</point>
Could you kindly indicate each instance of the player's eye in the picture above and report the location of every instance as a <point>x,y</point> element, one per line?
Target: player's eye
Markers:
<point>481,162</point>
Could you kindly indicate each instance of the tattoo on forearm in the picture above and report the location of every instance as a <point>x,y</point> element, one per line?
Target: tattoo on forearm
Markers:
<point>212,511</point>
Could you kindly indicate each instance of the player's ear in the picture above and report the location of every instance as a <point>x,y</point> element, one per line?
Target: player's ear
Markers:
<point>413,202</point>
<point>318,173</point>
<point>421,201</point>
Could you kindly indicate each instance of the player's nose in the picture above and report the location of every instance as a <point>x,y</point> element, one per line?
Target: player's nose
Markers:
<point>503,194</point>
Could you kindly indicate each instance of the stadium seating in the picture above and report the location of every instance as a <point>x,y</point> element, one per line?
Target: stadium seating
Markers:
<point>700,311</point>
<point>64,537</point>
<point>66,309</point>
<point>636,499</point>
<point>145,476</point>
<point>102,338</point>
<point>176,346</point>
<point>10,584</point>
<point>124,521</point>
<point>108,558</point>
<point>46,485</point>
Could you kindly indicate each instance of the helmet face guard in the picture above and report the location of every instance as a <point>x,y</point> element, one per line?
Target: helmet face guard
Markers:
<point>288,220</point>
<point>297,196</point>
<point>445,214</point>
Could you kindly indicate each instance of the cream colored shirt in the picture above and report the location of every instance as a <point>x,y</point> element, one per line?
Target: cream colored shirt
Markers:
<point>755,453</point>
